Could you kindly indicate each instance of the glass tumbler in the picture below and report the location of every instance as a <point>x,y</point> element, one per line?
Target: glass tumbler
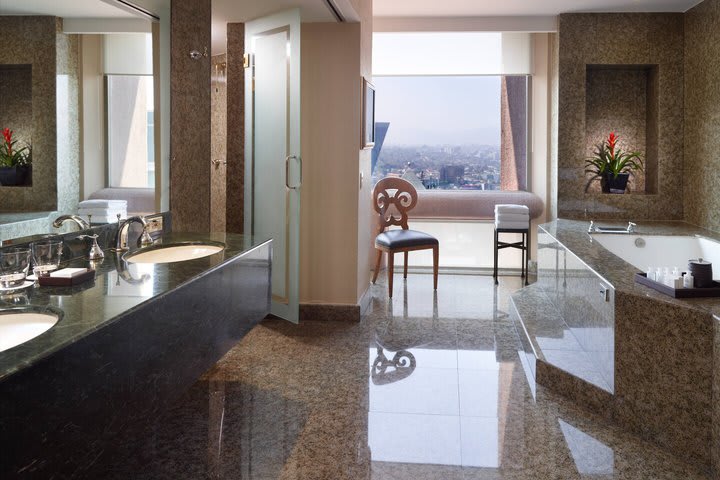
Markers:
<point>46,256</point>
<point>14,266</point>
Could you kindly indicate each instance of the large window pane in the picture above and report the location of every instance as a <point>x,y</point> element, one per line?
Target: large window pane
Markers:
<point>453,132</point>
<point>130,124</point>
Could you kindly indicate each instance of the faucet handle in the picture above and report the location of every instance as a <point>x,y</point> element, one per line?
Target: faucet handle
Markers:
<point>631,227</point>
<point>95,252</point>
<point>145,238</point>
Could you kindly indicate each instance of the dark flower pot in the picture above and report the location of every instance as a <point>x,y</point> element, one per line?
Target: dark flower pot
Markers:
<point>15,176</point>
<point>613,184</point>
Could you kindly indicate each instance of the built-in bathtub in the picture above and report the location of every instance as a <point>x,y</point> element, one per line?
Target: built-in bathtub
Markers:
<point>643,251</point>
<point>651,362</point>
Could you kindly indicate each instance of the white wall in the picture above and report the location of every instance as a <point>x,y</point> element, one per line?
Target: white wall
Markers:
<point>93,165</point>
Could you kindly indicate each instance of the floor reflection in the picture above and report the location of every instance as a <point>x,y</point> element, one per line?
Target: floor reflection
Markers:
<point>424,387</point>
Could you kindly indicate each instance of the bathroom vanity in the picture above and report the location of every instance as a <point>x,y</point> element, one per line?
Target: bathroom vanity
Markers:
<point>128,343</point>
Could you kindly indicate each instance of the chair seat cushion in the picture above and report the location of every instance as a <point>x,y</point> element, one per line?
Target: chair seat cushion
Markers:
<point>404,239</point>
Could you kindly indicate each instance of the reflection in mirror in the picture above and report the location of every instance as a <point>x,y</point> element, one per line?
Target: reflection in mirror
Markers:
<point>93,127</point>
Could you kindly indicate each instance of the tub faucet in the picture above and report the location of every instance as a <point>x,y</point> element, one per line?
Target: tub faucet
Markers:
<point>122,234</point>
<point>82,224</point>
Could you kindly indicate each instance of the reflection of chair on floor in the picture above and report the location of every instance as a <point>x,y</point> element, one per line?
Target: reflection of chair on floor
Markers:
<point>400,341</point>
<point>395,196</point>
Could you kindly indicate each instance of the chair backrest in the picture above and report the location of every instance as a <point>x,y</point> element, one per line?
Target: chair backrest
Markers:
<point>393,192</point>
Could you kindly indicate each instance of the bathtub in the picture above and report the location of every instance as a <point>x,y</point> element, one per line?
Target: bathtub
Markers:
<point>643,251</point>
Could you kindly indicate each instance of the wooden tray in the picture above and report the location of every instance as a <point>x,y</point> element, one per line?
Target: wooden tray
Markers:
<point>713,291</point>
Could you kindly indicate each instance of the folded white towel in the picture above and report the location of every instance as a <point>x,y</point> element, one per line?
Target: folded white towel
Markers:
<point>510,208</point>
<point>103,203</point>
<point>110,212</point>
<point>105,219</point>
<point>513,225</point>
<point>512,217</point>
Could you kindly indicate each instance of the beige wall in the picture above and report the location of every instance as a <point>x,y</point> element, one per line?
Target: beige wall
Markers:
<point>330,138</point>
<point>540,109</point>
<point>93,115</point>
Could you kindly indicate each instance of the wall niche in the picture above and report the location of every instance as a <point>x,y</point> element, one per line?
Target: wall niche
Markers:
<point>624,99</point>
<point>16,112</point>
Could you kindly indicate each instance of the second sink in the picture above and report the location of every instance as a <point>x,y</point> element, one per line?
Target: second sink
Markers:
<point>175,252</point>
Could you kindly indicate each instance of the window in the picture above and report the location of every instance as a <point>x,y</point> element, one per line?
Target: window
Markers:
<point>130,131</point>
<point>452,109</point>
<point>453,132</point>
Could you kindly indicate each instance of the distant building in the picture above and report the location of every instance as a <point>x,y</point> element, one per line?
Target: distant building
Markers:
<point>452,174</point>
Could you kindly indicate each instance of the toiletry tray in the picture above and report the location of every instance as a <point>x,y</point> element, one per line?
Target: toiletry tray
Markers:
<point>89,274</point>
<point>713,291</point>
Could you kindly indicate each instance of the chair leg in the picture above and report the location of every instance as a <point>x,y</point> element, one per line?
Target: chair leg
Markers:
<point>405,267</point>
<point>390,270</point>
<point>436,259</point>
<point>495,258</point>
<point>377,266</point>
<point>527,259</point>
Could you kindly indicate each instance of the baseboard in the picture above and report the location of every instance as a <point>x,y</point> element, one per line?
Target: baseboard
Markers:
<point>329,312</point>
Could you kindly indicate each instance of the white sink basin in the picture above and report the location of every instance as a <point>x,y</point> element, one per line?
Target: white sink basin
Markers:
<point>18,327</point>
<point>174,253</point>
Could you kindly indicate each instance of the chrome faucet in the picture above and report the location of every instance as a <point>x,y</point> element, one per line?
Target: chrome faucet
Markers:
<point>122,234</point>
<point>82,224</point>
<point>597,229</point>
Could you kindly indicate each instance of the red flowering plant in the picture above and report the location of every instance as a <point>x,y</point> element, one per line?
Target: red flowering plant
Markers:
<point>10,154</point>
<point>609,160</point>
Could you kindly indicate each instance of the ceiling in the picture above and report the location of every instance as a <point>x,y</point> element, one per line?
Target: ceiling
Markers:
<point>480,8</point>
<point>63,8</point>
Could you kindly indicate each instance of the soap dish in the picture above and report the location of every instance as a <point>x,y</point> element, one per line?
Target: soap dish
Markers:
<point>713,291</point>
<point>76,279</point>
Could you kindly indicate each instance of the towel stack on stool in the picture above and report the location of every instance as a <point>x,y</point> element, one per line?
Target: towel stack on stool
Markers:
<point>103,211</point>
<point>512,217</point>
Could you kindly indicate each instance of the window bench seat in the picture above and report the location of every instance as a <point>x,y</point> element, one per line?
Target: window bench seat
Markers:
<point>471,205</point>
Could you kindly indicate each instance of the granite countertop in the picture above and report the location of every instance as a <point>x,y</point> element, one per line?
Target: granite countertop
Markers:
<point>573,234</point>
<point>90,306</point>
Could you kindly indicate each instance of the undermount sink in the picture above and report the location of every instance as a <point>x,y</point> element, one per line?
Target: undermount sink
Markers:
<point>176,252</point>
<point>18,325</point>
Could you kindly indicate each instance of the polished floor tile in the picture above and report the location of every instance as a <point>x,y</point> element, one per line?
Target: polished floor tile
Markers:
<point>425,386</point>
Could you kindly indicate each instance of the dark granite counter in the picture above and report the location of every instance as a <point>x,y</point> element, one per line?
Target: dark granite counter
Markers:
<point>127,345</point>
<point>574,236</point>
<point>93,305</point>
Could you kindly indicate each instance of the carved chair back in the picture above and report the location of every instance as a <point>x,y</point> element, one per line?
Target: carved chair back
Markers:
<point>393,197</point>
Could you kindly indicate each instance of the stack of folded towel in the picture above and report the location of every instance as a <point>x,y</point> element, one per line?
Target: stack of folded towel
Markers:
<point>103,211</point>
<point>516,217</point>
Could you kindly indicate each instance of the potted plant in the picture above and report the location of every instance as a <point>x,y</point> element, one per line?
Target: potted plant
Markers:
<point>611,165</point>
<point>15,163</point>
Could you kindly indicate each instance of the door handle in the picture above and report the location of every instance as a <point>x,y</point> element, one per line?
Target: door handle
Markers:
<point>287,171</point>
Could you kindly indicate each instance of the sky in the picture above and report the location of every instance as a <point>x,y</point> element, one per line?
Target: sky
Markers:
<point>454,110</point>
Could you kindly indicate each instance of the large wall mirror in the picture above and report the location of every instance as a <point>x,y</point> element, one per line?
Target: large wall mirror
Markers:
<point>85,109</point>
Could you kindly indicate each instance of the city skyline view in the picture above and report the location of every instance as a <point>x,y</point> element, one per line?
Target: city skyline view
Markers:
<point>443,132</point>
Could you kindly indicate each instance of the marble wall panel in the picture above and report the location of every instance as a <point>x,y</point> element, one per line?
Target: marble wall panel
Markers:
<point>592,39</point>
<point>702,111</point>
<point>235,183</point>
<point>31,41</point>
<point>190,132</point>
<point>664,374</point>
<point>218,127</point>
